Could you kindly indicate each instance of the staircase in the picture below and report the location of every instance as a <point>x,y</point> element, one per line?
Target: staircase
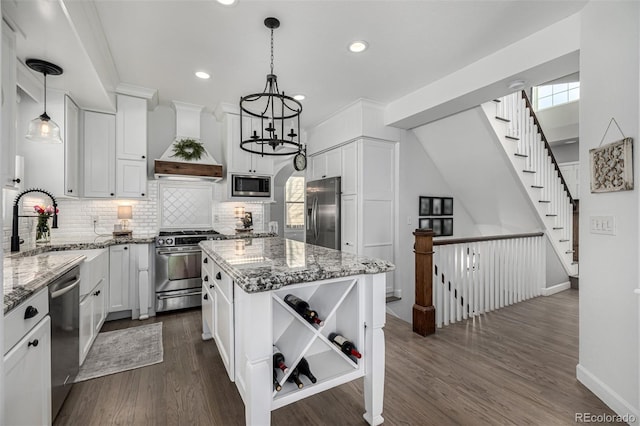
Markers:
<point>515,123</point>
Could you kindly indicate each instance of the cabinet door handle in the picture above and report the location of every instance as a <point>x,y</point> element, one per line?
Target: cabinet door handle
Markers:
<point>218,276</point>
<point>30,312</point>
<point>97,293</point>
<point>144,156</point>
<point>112,194</point>
<point>206,278</point>
<point>206,296</point>
<point>126,248</point>
<point>206,260</point>
<point>17,180</point>
<point>143,194</point>
<point>211,286</point>
<point>69,190</point>
<point>33,343</point>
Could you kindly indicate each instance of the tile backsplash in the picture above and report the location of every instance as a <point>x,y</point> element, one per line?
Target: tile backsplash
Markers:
<point>75,219</point>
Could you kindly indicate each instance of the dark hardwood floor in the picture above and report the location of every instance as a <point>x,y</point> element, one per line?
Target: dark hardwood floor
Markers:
<point>511,367</point>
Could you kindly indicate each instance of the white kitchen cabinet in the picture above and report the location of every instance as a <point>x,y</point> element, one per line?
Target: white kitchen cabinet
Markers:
<point>131,147</point>
<point>99,154</point>
<point>94,275</point>
<point>217,312</point>
<point>52,166</point>
<point>119,278</point>
<point>131,178</point>
<point>349,224</point>
<point>327,164</point>
<point>27,365</point>
<point>71,148</point>
<point>238,160</point>
<point>349,169</point>
<point>131,128</point>
<point>8,108</point>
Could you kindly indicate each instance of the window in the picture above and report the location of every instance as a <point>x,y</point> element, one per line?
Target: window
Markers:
<point>555,94</point>
<point>294,202</point>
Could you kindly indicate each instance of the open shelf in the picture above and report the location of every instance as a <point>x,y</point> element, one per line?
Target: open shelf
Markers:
<point>340,304</point>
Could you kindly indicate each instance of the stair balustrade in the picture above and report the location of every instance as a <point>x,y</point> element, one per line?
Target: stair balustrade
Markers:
<point>522,138</point>
<point>473,276</point>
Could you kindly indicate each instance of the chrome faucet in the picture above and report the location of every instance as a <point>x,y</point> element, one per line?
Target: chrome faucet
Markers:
<point>15,238</point>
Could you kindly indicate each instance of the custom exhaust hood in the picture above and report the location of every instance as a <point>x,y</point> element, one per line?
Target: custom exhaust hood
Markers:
<point>186,158</point>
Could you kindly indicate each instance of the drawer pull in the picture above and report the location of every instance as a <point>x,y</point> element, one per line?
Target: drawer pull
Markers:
<point>206,260</point>
<point>206,297</point>
<point>97,293</point>
<point>30,312</point>
<point>34,343</point>
<point>218,276</point>
<point>211,286</point>
<point>206,277</point>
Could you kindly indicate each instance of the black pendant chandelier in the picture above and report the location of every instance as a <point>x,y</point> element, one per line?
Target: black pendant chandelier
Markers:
<point>278,129</point>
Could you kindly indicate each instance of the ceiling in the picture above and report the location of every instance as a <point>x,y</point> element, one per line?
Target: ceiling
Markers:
<point>159,44</point>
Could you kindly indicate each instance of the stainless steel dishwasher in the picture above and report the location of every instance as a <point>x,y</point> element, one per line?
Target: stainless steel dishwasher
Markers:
<point>64,309</point>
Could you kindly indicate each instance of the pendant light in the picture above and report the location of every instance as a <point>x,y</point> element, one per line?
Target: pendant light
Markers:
<point>271,118</point>
<point>43,128</point>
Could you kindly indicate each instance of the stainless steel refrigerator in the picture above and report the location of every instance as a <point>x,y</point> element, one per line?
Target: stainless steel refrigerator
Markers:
<point>323,213</point>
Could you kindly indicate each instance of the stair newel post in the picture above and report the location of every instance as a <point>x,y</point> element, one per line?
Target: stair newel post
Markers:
<point>424,313</point>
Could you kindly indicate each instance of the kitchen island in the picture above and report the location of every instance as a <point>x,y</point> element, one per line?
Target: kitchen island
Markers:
<point>245,282</point>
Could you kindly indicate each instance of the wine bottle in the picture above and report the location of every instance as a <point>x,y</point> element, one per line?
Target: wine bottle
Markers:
<point>295,377</point>
<point>278,360</point>
<point>303,368</point>
<point>345,345</point>
<point>276,385</point>
<point>302,308</point>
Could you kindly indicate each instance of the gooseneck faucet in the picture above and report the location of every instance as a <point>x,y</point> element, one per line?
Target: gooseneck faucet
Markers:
<point>15,238</point>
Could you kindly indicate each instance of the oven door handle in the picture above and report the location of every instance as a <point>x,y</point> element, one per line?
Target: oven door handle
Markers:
<point>173,253</point>
<point>195,293</point>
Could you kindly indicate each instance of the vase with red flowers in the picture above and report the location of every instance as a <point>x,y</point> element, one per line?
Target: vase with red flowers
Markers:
<point>43,230</point>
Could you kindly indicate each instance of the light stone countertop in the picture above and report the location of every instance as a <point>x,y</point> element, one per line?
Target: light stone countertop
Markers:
<point>25,276</point>
<point>263,264</point>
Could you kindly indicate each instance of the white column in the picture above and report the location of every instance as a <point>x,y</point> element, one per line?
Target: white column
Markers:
<point>374,349</point>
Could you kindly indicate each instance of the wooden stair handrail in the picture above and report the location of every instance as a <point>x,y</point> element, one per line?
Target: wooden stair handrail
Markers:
<point>424,313</point>
<point>546,144</point>
<point>487,238</point>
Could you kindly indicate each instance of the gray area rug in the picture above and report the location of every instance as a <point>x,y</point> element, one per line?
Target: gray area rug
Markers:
<point>122,350</point>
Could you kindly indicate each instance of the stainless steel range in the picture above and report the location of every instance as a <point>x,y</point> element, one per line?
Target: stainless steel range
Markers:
<point>178,262</point>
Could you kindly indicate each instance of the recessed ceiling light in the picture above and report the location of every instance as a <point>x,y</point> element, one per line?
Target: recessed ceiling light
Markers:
<point>227,2</point>
<point>358,46</point>
<point>299,97</point>
<point>203,75</point>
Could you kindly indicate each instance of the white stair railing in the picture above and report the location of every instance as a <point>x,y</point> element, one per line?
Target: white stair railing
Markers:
<point>478,275</point>
<point>524,142</point>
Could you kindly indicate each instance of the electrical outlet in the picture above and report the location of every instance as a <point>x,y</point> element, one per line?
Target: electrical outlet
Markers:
<point>95,219</point>
<point>216,218</point>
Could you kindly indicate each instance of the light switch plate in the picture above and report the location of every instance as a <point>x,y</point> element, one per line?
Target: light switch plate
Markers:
<point>605,225</point>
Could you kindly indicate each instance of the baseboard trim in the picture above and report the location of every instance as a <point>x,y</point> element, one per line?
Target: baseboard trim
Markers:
<point>555,289</point>
<point>607,395</point>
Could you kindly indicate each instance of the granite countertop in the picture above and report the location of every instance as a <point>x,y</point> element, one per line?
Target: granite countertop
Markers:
<point>25,276</point>
<point>262,264</point>
<point>90,244</point>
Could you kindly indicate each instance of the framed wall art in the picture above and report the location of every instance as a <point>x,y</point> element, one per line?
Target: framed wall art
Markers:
<point>424,208</point>
<point>612,166</point>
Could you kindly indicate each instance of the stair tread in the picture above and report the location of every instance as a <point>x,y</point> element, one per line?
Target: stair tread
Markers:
<point>570,251</point>
<point>544,201</point>
<point>551,215</point>
<point>529,171</point>
<point>574,263</point>
<point>558,227</point>
<point>513,138</point>
<point>497,100</point>
<point>393,299</point>
<point>564,241</point>
<point>506,120</point>
<point>537,186</point>
<point>517,154</point>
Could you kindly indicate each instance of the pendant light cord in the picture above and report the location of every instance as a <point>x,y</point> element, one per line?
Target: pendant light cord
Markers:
<point>45,92</point>
<point>271,50</point>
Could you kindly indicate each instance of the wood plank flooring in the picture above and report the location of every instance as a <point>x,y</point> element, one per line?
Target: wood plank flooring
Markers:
<point>511,367</point>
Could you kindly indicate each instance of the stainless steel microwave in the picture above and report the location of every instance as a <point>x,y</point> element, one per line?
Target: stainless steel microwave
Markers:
<point>250,186</point>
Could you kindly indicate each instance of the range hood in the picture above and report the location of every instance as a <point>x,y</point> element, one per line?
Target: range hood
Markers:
<point>187,127</point>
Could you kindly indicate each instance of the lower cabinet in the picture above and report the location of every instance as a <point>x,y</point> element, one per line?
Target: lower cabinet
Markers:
<point>119,278</point>
<point>93,311</point>
<point>27,379</point>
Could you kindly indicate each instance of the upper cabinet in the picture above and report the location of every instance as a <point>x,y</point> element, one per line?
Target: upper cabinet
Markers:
<point>131,128</point>
<point>8,108</point>
<point>53,167</point>
<point>325,165</point>
<point>239,160</point>
<point>99,154</point>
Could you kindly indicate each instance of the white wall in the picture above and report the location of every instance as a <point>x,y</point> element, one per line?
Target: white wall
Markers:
<point>418,176</point>
<point>609,77</point>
